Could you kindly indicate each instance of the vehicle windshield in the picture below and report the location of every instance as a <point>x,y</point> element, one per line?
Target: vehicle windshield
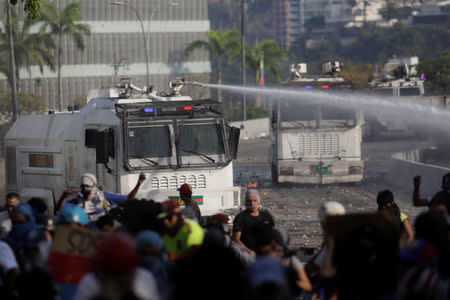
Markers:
<point>336,117</point>
<point>301,115</point>
<point>149,142</point>
<point>412,91</point>
<point>204,139</point>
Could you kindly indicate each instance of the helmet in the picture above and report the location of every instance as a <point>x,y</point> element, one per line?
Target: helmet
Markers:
<point>72,214</point>
<point>116,254</point>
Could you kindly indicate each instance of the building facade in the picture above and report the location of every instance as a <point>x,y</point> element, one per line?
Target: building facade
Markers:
<point>116,49</point>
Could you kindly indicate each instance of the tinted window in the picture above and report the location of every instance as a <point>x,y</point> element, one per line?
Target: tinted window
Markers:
<point>149,142</point>
<point>204,139</point>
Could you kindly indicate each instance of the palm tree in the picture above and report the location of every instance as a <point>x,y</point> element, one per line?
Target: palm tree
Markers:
<point>274,58</point>
<point>29,48</point>
<point>63,23</point>
<point>222,44</point>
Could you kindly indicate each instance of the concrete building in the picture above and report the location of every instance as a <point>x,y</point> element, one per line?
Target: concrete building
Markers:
<point>116,49</point>
<point>291,15</point>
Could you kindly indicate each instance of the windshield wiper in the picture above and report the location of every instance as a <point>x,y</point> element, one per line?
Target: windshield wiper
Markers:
<point>199,154</point>
<point>145,159</point>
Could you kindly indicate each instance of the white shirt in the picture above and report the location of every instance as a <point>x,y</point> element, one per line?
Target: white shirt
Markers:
<point>5,223</point>
<point>7,260</point>
<point>144,286</point>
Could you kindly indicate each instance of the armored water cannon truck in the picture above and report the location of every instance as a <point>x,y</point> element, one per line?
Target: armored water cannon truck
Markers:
<point>121,132</point>
<point>400,78</point>
<point>315,142</point>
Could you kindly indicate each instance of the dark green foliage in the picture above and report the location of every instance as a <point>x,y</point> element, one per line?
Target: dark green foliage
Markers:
<point>376,45</point>
<point>437,74</point>
<point>32,7</point>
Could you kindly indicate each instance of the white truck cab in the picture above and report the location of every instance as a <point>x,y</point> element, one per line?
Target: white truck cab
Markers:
<point>118,134</point>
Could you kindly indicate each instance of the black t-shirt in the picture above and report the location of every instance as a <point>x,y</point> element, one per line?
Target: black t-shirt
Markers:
<point>245,223</point>
<point>441,197</point>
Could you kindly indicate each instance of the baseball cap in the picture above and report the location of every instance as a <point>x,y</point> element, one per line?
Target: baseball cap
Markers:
<point>266,270</point>
<point>170,207</point>
<point>185,189</point>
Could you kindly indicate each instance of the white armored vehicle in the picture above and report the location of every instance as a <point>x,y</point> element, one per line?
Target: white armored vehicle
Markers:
<point>400,78</point>
<point>315,142</point>
<point>120,133</point>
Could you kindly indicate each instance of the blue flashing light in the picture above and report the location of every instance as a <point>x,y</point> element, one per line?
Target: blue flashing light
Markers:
<point>308,87</point>
<point>422,76</point>
<point>148,110</point>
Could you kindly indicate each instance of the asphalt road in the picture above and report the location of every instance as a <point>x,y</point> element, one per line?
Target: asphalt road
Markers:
<point>295,206</point>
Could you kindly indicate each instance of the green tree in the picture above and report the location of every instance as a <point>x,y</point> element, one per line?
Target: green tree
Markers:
<point>28,103</point>
<point>274,58</point>
<point>222,44</point>
<point>29,48</point>
<point>358,74</point>
<point>437,74</point>
<point>390,10</point>
<point>64,23</point>
<point>32,7</point>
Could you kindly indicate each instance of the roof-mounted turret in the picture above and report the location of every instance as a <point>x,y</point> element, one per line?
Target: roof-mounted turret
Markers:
<point>297,70</point>
<point>332,68</point>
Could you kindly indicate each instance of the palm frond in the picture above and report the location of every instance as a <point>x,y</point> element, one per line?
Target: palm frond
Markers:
<point>198,44</point>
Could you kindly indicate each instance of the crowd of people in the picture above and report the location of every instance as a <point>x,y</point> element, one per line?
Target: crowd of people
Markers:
<point>169,251</point>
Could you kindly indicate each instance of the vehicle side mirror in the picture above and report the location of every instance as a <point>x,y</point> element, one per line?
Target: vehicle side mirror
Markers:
<point>233,141</point>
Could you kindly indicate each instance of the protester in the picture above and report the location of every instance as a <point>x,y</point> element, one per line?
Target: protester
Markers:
<point>298,280</point>
<point>115,273</point>
<point>105,223</point>
<point>153,258</point>
<point>186,197</point>
<point>182,237</point>
<point>93,200</point>
<point>9,270</point>
<point>245,221</point>
<point>219,222</point>
<point>12,199</point>
<point>22,213</point>
<point>443,196</point>
<point>426,258</point>
<point>267,280</point>
<point>385,199</point>
<point>321,269</point>
<point>73,216</point>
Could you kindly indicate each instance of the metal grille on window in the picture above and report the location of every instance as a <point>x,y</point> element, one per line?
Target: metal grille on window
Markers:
<point>201,181</point>
<point>173,182</point>
<point>155,183</point>
<point>192,181</point>
<point>164,183</point>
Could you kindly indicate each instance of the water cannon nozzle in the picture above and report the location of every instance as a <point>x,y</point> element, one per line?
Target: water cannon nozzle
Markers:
<point>194,83</point>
